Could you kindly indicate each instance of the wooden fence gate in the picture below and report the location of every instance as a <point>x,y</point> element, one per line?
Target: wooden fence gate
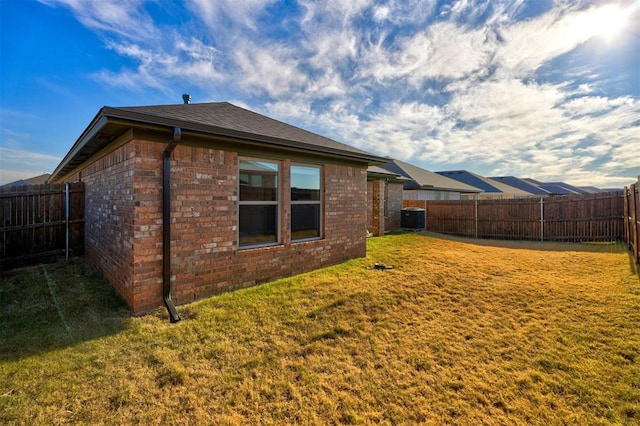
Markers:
<point>39,223</point>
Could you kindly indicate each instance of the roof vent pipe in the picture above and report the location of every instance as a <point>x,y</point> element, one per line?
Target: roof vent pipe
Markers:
<point>186,98</point>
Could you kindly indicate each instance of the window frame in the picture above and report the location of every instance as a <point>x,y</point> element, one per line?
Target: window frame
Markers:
<point>277,203</point>
<point>319,202</point>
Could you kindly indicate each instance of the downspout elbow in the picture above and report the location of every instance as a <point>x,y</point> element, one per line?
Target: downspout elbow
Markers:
<point>166,225</point>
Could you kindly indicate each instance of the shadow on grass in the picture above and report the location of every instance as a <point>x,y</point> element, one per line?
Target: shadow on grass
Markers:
<point>596,247</point>
<point>635,267</point>
<point>56,305</point>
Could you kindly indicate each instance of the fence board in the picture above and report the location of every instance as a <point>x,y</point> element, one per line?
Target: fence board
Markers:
<point>590,217</point>
<point>632,219</point>
<point>33,223</point>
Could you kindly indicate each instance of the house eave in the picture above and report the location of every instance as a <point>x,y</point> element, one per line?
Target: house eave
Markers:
<point>110,122</point>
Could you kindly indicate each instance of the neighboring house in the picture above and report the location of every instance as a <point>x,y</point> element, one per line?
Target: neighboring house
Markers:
<point>490,189</point>
<point>591,189</point>
<point>185,201</point>
<point>426,185</point>
<point>521,184</point>
<point>36,180</point>
<point>557,188</point>
<point>384,189</point>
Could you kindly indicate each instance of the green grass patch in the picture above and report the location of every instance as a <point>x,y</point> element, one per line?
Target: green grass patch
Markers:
<point>56,305</point>
<point>455,333</point>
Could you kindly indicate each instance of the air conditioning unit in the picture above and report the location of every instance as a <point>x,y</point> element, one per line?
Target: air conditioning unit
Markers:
<point>413,218</point>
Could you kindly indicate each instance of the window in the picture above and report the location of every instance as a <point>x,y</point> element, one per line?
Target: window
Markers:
<point>258,203</point>
<point>305,202</point>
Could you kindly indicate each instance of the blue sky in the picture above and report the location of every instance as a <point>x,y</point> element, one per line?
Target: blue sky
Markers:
<point>548,89</point>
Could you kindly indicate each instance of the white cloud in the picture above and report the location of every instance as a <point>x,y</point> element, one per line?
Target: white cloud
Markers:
<point>531,43</point>
<point>21,156</point>
<point>188,59</point>
<point>220,14</point>
<point>326,13</point>
<point>18,164</point>
<point>430,84</point>
<point>443,51</point>
<point>403,13</point>
<point>381,13</point>
<point>274,71</point>
<point>124,18</point>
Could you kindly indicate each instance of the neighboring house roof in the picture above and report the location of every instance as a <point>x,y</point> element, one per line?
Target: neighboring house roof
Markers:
<point>521,184</point>
<point>217,119</point>
<point>36,180</point>
<point>557,188</point>
<point>424,179</point>
<point>380,173</point>
<point>471,179</point>
<point>486,185</point>
<point>591,189</point>
<point>507,189</point>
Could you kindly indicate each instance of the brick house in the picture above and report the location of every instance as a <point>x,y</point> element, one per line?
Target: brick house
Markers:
<point>185,201</point>
<point>425,185</point>
<point>384,189</point>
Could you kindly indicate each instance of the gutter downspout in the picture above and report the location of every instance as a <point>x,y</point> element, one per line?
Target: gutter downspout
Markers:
<point>166,225</point>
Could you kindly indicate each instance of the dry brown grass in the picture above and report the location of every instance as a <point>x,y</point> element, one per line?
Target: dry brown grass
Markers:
<point>456,333</point>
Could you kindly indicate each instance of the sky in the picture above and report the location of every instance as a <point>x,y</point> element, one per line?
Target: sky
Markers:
<point>546,89</point>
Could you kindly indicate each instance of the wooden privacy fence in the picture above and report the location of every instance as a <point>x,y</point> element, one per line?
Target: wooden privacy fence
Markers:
<point>590,217</point>
<point>40,222</point>
<point>632,219</point>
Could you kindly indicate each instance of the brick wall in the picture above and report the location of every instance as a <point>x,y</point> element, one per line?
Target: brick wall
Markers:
<point>205,256</point>
<point>124,224</point>
<point>369,205</point>
<point>109,214</point>
<point>384,203</point>
<point>376,201</point>
<point>394,206</point>
<point>147,226</point>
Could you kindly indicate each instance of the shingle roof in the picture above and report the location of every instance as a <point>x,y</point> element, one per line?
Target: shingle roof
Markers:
<point>377,171</point>
<point>36,180</point>
<point>521,184</point>
<point>424,179</point>
<point>485,184</point>
<point>591,189</point>
<point>557,188</point>
<point>225,115</point>
<point>471,179</point>
<point>213,120</point>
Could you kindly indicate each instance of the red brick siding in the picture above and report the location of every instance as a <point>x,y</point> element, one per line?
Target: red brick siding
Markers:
<point>204,228</point>
<point>205,256</point>
<point>369,205</point>
<point>124,224</point>
<point>384,204</point>
<point>109,208</point>
<point>375,195</point>
<point>394,206</point>
<point>147,226</point>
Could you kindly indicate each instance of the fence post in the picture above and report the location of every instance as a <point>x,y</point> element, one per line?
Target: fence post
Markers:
<point>626,216</point>
<point>66,218</point>
<point>541,218</point>
<point>634,221</point>
<point>476,219</point>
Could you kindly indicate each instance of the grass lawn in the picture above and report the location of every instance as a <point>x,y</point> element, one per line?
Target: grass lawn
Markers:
<point>455,333</point>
